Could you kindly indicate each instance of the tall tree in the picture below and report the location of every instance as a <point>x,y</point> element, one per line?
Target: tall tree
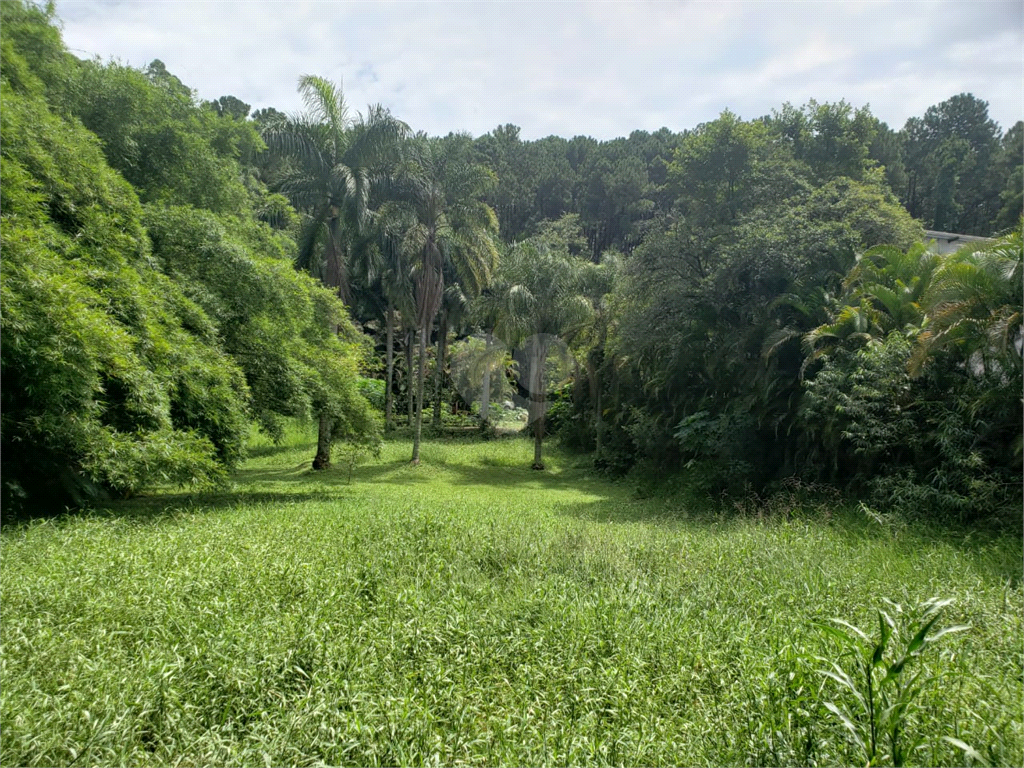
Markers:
<point>505,154</point>
<point>452,313</point>
<point>441,194</point>
<point>1008,177</point>
<point>396,285</point>
<point>544,299</point>
<point>947,154</point>
<point>335,158</point>
<point>832,139</point>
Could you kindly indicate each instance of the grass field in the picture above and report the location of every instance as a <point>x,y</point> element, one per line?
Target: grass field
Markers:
<point>471,611</point>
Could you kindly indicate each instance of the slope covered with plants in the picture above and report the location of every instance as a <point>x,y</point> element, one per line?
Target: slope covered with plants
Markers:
<point>738,304</point>
<point>149,314</point>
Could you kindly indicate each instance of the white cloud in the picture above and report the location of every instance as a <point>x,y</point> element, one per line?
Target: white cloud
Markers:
<point>597,68</point>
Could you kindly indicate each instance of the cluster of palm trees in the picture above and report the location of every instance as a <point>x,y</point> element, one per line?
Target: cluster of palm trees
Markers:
<point>921,363</point>
<point>967,301</point>
<point>403,216</point>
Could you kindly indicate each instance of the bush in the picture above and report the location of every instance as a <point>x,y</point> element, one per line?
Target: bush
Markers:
<point>139,342</point>
<point>112,379</point>
<point>374,390</point>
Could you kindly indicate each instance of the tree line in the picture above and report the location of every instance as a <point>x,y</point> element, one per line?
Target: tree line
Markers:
<point>151,310</point>
<point>740,303</point>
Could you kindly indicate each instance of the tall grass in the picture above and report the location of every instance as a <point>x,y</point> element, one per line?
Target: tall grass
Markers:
<point>470,610</point>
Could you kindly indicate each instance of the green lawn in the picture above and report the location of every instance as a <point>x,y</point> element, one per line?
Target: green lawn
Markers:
<point>470,610</point>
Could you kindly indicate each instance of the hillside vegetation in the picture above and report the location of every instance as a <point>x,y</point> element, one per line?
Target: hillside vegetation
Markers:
<point>328,441</point>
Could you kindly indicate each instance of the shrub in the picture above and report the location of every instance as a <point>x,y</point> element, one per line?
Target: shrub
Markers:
<point>374,392</point>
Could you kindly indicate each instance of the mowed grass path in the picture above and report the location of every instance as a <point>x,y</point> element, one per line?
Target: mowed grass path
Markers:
<point>472,611</point>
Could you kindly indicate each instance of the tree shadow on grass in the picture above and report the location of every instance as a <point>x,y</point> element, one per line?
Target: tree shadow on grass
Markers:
<point>524,478</point>
<point>400,472</point>
<point>627,508</point>
<point>153,508</point>
<point>299,485</point>
<point>264,451</point>
<point>995,557</point>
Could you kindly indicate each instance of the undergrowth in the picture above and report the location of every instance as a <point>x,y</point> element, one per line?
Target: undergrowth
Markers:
<point>471,610</point>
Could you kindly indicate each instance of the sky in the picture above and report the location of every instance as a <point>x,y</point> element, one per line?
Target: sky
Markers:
<point>599,68</point>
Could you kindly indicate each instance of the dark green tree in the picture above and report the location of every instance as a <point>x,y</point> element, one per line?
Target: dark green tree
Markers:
<point>948,153</point>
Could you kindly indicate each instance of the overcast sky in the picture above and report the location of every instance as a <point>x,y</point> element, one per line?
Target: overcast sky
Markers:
<point>598,68</point>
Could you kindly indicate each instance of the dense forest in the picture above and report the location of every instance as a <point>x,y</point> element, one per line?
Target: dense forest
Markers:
<point>733,306</point>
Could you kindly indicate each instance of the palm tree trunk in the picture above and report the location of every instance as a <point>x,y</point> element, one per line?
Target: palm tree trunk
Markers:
<point>595,401</point>
<point>419,397</point>
<point>389,394</point>
<point>335,258</point>
<point>538,442</point>
<point>442,349</point>
<point>322,460</point>
<point>410,340</point>
<point>537,401</point>
<point>485,394</point>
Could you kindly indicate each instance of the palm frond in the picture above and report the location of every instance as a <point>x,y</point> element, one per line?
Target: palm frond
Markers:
<point>325,103</point>
<point>309,251</point>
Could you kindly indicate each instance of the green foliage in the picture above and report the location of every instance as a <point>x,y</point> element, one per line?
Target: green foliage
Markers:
<point>975,307</point>
<point>470,357</point>
<point>373,391</point>
<point>160,139</point>
<point>34,57</point>
<point>330,161</point>
<point>921,391</point>
<point>1009,167</point>
<point>714,254</point>
<point>110,379</point>
<point>469,610</point>
<point>859,408</point>
<point>878,691</point>
<point>743,232</point>
<point>543,292</point>
<point>615,189</point>
<point>446,233</point>
<point>271,319</point>
<point>834,140</point>
<point>710,314</point>
<point>957,168</point>
<point>540,302</point>
<point>728,167</point>
<point>139,340</point>
<point>719,451</point>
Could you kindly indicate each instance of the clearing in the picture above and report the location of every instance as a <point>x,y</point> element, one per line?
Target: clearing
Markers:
<point>472,611</point>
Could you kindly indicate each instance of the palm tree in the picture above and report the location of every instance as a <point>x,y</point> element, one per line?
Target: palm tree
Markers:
<point>488,309</point>
<point>544,299</point>
<point>976,321</point>
<point>334,159</point>
<point>454,307</point>
<point>599,282</point>
<point>395,283</point>
<point>974,306</point>
<point>441,191</point>
<point>883,292</point>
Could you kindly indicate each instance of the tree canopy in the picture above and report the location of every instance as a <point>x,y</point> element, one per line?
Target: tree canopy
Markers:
<point>145,324</point>
<point>744,301</point>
